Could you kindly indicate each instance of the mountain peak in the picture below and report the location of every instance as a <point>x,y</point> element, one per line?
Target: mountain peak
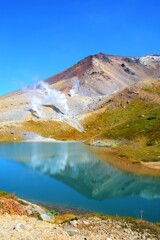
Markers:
<point>103,74</point>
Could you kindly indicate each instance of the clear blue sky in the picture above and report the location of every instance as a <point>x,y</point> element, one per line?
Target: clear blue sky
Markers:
<point>39,38</point>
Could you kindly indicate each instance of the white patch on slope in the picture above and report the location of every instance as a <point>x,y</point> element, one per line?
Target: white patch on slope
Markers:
<point>44,95</point>
<point>75,87</point>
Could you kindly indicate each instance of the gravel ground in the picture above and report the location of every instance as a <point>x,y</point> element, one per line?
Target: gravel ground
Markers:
<point>86,228</point>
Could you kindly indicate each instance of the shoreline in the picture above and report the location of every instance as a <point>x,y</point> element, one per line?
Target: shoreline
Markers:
<point>90,226</point>
<point>124,164</point>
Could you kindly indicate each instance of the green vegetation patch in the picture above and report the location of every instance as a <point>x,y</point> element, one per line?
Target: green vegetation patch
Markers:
<point>6,195</point>
<point>138,119</point>
<point>52,129</point>
<point>53,212</point>
<point>154,89</point>
<point>7,136</point>
<point>136,124</point>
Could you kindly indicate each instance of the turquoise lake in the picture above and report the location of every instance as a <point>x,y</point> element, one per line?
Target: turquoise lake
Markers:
<point>70,175</point>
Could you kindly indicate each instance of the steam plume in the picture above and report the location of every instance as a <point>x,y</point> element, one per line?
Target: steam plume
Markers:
<point>75,87</point>
<point>45,95</point>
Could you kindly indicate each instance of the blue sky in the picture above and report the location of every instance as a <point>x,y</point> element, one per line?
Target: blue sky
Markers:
<point>39,38</point>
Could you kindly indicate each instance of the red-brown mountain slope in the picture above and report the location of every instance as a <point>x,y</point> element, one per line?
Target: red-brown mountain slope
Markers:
<point>103,74</point>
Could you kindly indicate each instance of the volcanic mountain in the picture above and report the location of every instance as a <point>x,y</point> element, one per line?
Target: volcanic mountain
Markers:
<point>94,99</point>
<point>104,75</point>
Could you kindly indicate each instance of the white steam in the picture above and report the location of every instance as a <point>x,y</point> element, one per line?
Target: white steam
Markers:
<point>75,87</point>
<point>45,95</point>
<point>36,105</point>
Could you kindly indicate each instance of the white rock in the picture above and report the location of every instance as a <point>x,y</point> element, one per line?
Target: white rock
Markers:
<point>73,223</point>
<point>20,227</point>
<point>86,223</point>
<point>48,217</point>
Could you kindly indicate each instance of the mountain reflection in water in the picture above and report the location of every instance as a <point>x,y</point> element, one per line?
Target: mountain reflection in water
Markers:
<point>76,166</point>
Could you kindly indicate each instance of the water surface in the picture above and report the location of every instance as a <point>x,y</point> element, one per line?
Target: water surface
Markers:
<point>70,175</point>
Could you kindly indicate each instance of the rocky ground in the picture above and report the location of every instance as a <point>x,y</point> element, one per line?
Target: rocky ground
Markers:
<point>20,219</point>
<point>86,228</point>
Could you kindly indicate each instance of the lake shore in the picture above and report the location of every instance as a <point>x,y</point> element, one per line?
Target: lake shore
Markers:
<point>17,224</point>
<point>110,156</point>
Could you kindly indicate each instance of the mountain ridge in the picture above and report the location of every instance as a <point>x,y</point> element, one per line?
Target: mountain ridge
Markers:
<point>101,56</point>
<point>112,73</point>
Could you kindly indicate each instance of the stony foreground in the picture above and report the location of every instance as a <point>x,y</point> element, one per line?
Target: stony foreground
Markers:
<point>86,228</point>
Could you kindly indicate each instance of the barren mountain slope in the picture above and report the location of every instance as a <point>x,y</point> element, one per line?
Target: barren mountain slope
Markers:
<point>83,88</point>
<point>103,75</point>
